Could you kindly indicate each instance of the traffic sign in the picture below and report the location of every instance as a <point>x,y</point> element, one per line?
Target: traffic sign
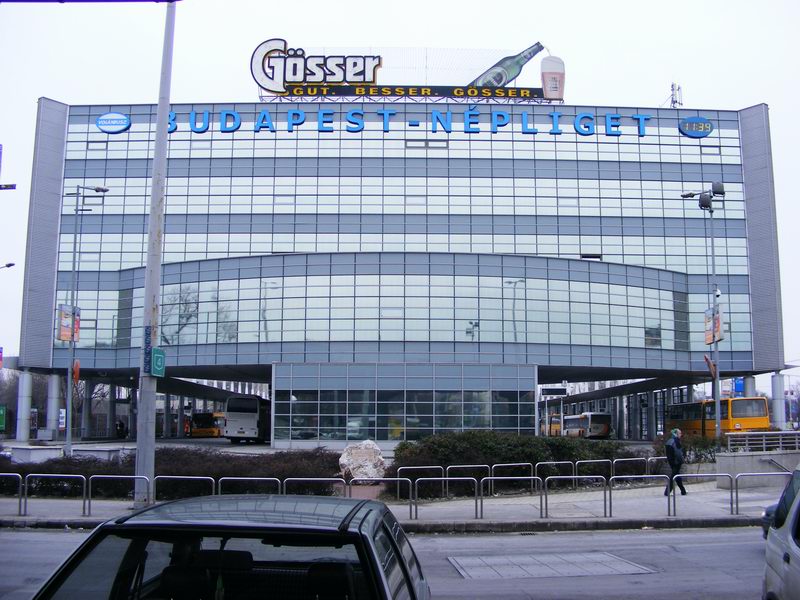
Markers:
<point>158,363</point>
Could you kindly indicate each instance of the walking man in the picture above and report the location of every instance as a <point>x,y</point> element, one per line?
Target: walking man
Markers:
<point>675,460</point>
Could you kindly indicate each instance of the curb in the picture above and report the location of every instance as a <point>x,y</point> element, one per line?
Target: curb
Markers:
<point>475,526</point>
<point>550,525</point>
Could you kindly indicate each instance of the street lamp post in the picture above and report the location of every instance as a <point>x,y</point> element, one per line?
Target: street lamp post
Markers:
<point>706,203</point>
<point>80,199</point>
<point>514,282</point>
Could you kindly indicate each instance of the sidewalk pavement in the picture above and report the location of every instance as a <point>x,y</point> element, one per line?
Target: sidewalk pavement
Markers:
<point>632,507</point>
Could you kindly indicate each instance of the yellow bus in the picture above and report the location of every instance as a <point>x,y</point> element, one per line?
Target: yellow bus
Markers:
<point>736,414</point>
<point>550,425</point>
<point>206,424</point>
<point>591,425</point>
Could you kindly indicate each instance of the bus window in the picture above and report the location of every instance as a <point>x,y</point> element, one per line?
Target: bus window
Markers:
<point>711,413</point>
<point>242,405</point>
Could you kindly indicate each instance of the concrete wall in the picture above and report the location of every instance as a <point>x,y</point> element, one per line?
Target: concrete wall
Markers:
<point>755,462</point>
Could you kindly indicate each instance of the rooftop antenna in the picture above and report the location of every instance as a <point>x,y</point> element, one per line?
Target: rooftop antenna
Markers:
<point>676,96</point>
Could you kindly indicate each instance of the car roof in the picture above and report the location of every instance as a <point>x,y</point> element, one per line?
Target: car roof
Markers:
<point>256,510</point>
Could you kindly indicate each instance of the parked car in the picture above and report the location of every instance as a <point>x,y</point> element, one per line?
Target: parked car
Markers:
<point>243,547</point>
<point>782,553</point>
<point>767,515</point>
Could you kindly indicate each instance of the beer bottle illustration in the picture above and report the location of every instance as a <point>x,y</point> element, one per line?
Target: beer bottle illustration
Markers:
<point>507,69</point>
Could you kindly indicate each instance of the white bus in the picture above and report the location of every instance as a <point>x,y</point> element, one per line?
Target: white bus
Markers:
<point>594,425</point>
<point>247,418</point>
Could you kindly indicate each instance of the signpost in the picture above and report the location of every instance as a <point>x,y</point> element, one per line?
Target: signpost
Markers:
<point>158,362</point>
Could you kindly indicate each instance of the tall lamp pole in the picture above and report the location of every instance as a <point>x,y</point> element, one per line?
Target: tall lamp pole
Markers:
<point>706,203</point>
<point>80,199</point>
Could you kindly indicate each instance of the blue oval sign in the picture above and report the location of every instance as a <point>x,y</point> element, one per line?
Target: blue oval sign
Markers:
<point>113,122</point>
<point>696,127</point>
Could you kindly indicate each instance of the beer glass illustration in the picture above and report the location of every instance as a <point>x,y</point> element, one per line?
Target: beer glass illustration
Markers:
<point>553,78</point>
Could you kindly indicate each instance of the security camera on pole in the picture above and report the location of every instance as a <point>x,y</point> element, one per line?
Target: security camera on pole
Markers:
<point>713,316</point>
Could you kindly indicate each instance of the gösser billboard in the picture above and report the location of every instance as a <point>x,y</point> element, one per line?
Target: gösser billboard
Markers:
<point>285,71</point>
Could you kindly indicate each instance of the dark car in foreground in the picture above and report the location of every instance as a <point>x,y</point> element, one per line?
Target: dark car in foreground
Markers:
<point>245,547</point>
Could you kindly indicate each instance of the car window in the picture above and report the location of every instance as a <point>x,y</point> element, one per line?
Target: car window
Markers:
<point>787,497</point>
<point>387,556</point>
<point>414,570</point>
<point>94,575</point>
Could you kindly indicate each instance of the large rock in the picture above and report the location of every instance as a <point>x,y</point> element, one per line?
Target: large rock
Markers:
<point>362,460</point>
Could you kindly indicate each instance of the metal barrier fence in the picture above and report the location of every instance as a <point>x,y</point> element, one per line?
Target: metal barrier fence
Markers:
<point>743,475</point>
<point>383,480</point>
<point>534,480</point>
<point>599,461</point>
<point>574,478</point>
<point>651,460</point>
<point>30,476</point>
<point>267,479</point>
<point>509,466</point>
<point>182,477</point>
<point>627,478</point>
<point>18,477</point>
<point>761,441</point>
<point>133,477</point>
<point>426,479</point>
<point>438,468</point>
<point>447,474</point>
<point>697,476</point>
<point>640,459</point>
<point>315,480</point>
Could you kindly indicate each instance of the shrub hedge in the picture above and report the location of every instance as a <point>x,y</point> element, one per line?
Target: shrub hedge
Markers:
<point>696,448</point>
<point>487,447</point>
<point>177,461</point>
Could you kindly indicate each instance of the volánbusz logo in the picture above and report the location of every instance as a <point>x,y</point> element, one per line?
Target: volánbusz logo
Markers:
<point>273,65</point>
<point>113,122</point>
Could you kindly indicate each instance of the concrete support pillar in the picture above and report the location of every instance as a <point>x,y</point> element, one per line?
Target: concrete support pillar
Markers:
<point>778,409</point>
<point>133,409</point>
<point>24,395</point>
<point>167,429</point>
<point>53,402</point>
<point>86,409</point>
<point>635,409</point>
<point>179,433</point>
<point>111,413</point>
<point>619,417</point>
<point>652,428</point>
<point>749,386</point>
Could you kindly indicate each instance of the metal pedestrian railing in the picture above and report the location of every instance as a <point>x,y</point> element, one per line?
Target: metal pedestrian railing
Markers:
<point>652,460</point>
<point>31,476</point>
<point>158,478</point>
<point>438,468</point>
<point>399,480</point>
<point>600,461</point>
<point>785,475</point>
<point>697,476</point>
<point>761,441</point>
<point>462,468</point>
<point>243,479</point>
<point>134,478</point>
<point>664,478</point>
<point>18,477</point>
<point>427,479</point>
<point>510,466</point>
<point>638,459</point>
<point>574,478</point>
<point>534,481</point>
<point>289,480</point>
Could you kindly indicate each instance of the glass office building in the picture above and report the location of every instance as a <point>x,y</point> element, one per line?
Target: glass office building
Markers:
<point>395,269</point>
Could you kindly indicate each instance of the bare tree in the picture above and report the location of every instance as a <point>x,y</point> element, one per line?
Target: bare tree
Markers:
<point>178,311</point>
<point>227,324</point>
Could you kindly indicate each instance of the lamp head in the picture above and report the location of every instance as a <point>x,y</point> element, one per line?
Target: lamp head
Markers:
<point>705,201</point>
<point>101,190</point>
<point>688,195</point>
<point>717,189</point>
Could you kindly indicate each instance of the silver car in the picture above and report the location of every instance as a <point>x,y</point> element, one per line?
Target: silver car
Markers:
<point>242,547</point>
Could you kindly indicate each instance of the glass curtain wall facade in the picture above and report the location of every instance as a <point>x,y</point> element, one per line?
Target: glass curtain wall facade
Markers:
<point>375,255</point>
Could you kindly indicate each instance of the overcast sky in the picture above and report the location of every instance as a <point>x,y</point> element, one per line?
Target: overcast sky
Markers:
<point>726,54</point>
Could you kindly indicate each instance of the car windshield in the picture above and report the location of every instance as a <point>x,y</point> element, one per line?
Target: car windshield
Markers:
<point>157,564</point>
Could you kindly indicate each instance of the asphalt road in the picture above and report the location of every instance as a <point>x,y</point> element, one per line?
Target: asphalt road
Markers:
<point>703,563</point>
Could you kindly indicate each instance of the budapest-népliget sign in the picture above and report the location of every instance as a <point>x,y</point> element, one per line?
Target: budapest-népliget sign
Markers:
<point>472,120</point>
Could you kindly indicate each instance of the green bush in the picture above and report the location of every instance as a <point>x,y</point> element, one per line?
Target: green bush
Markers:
<point>487,447</point>
<point>696,448</point>
<point>178,461</point>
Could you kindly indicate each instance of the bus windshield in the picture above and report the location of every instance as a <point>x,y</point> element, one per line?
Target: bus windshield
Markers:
<point>749,407</point>
<point>601,418</point>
